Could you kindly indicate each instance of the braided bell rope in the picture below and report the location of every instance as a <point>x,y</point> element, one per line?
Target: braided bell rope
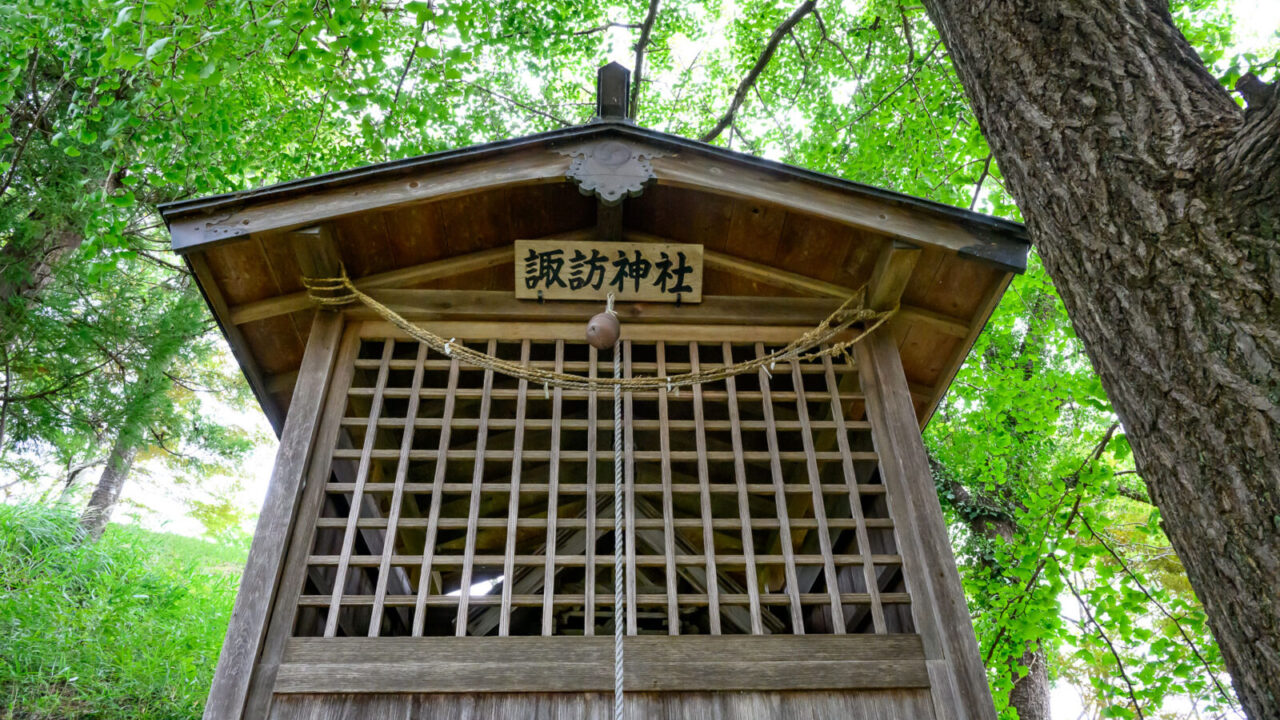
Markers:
<point>340,291</point>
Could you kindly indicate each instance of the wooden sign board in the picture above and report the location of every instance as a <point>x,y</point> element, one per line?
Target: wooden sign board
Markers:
<point>590,270</point>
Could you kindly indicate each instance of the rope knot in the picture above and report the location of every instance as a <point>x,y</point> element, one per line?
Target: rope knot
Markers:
<point>330,291</point>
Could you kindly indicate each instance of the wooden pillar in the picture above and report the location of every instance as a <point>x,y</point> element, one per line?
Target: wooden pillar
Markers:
<point>261,578</point>
<point>938,607</point>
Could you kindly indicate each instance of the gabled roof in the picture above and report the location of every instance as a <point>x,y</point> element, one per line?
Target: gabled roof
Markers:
<point>443,223</point>
<point>997,240</point>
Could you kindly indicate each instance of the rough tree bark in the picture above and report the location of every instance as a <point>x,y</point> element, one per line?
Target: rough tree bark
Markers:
<point>1154,201</point>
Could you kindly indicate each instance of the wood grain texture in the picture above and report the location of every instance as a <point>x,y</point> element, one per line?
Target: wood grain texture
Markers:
<point>570,664</point>
<point>863,705</point>
<point>259,582</point>
<point>938,598</point>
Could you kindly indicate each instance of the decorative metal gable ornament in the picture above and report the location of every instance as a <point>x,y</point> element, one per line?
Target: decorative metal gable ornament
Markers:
<point>610,169</point>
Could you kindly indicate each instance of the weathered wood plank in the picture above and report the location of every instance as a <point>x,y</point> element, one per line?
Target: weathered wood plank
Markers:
<point>819,500</point>
<point>629,501</point>
<point>433,517</point>
<point>890,275</point>
<point>553,503</point>
<point>726,178</point>
<point>397,495</point>
<point>513,509</point>
<point>293,302</point>
<point>780,498</point>
<point>938,600</point>
<point>876,704</point>
<point>357,494</point>
<point>589,604</point>
<point>668,511</point>
<point>704,497</point>
<point>261,578</point>
<point>536,165</point>
<point>473,511</point>
<point>744,506</point>
<point>855,498</point>
<point>575,664</point>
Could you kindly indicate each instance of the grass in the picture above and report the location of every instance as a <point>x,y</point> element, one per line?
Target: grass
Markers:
<point>129,627</point>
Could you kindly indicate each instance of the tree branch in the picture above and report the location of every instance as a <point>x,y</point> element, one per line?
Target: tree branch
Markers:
<point>408,63</point>
<point>762,62</point>
<point>1102,634</point>
<point>1159,606</point>
<point>1071,484</point>
<point>641,44</point>
<point>517,103</point>
<point>977,189</point>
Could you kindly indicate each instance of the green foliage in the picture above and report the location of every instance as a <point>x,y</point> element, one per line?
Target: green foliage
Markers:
<point>114,107</point>
<point>129,627</point>
<point>1059,547</point>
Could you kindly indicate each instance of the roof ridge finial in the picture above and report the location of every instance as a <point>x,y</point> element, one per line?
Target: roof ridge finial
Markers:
<point>613,85</point>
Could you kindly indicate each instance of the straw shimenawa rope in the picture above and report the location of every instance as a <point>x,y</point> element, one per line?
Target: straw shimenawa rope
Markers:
<point>338,291</point>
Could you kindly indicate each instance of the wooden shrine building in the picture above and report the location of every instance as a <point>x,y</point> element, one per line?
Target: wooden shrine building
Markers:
<point>437,539</point>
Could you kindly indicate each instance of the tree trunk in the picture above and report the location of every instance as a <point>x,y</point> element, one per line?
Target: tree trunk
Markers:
<point>1030,694</point>
<point>1155,203</point>
<point>26,264</point>
<point>103,501</point>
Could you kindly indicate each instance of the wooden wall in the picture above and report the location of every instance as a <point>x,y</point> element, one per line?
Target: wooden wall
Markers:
<point>863,705</point>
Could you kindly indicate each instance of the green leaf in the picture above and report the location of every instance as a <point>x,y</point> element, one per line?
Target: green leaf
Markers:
<point>157,47</point>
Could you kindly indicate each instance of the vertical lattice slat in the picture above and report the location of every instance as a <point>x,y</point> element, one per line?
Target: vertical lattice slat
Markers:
<point>704,498</point>
<point>433,515</point>
<point>397,495</point>
<point>553,503</point>
<point>855,498</point>
<point>513,510</point>
<point>473,510</point>
<point>736,474</point>
<point>362,474</point>
<point>589,597</point>
<point>744,500</point>
<point>629,477</point>
<point>819,502</point>
<point>780,497</point>
<point>668,511</point>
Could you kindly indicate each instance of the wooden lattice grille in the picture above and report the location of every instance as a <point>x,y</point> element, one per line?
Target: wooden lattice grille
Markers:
<point>754,505</point>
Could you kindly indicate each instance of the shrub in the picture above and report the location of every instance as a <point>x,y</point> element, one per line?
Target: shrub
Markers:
<point>128,627</point>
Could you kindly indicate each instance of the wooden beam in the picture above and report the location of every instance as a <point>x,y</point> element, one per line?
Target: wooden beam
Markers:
<point>890,275</point>
<point>261,577</point>
<point>953,326</point>
<point>585,664</point>
<point>538,330</point>
<point>523,167</point>
<point>773,276</point>
<point>317,252</point>
<point>502,305</point>
<point>236,340</point>
<point>983,316</point>
<point>293,302</point>
<point>759,185</point>
<point>609,221</point>
<point>938,607</point>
